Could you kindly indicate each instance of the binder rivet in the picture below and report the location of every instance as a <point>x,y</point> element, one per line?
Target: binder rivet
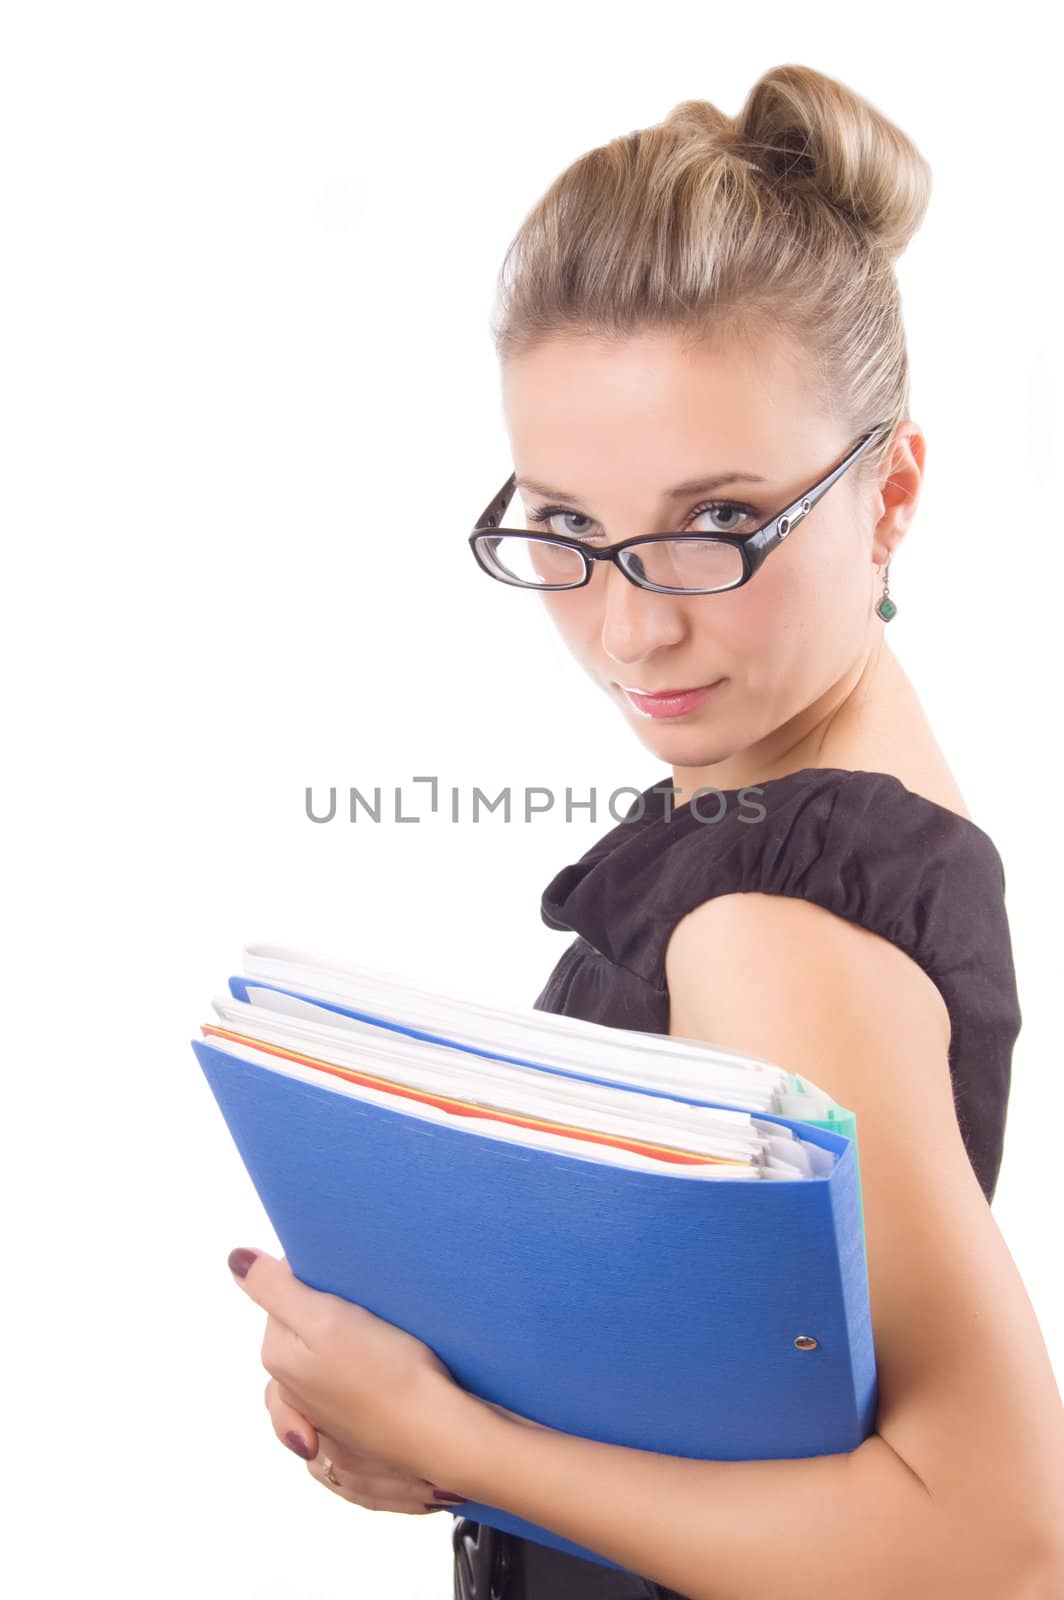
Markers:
<point>805,1341</point>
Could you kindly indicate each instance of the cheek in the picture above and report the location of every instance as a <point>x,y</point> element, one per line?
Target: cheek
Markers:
<point>748,625</point>
<point>793,612</point>
<point>809,585</point>
<point>817,612</point>
<point>577,622</point>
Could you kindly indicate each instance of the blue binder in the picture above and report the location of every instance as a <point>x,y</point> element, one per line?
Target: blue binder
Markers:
<point>622,1305</point>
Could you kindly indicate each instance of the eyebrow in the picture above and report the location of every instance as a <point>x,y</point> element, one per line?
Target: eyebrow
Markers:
<point>680,492</point>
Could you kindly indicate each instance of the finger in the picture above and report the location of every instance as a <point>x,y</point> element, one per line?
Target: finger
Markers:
<point>273,1285</point>
<point>289,1424</point>
<point>361,1466</point>
<point>375,1492</point>
<point>292,1304</point>
<point>369,1479</point>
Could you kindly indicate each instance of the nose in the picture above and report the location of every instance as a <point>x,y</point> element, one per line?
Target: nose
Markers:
<point>635,621</point>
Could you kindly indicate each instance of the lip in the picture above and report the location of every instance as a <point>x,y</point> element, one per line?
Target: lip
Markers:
<point>668,702</point>
<point>665,694</point>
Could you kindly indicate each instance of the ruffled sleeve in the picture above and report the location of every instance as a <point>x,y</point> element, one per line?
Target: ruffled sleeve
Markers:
<point>859,844</point>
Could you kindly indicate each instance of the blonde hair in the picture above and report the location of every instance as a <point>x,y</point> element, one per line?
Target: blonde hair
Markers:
<point>787,217</point>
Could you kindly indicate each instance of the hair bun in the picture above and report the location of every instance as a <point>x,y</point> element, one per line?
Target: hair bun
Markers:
<point>808,132</point>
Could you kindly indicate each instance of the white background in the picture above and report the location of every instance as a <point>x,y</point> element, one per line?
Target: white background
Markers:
<point>250,251</point>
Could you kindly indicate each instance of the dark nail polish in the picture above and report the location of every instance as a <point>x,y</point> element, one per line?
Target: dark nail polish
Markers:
<point>296,1442</point>
<point>240,1261</point>
<point>443,1494</point>
<point>433,1508</point>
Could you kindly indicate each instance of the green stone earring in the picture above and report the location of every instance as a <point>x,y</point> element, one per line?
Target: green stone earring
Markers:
<point>886,607</point>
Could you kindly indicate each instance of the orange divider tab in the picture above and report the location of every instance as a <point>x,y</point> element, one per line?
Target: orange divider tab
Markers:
<point>466,1108</point>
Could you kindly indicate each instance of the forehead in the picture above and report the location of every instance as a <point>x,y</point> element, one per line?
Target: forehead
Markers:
<point>572,400</point>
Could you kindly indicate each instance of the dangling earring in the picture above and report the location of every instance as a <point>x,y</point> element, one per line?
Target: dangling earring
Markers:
<point>886,607</point>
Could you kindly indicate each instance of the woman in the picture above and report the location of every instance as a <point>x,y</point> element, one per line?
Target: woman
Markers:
<point>700,328</point>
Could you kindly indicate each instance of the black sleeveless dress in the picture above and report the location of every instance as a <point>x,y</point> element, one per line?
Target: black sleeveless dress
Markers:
<point>859,844</point>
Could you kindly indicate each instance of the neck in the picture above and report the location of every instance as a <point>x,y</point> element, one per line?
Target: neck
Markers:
<point>844,727</point>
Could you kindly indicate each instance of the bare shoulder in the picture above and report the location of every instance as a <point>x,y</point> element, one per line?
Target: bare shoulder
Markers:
<point>967,1395</point>
<point>801,985</point>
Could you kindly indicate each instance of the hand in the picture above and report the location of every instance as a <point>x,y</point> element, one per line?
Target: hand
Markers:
<point>365,1479</point>
<point>368,1385</point>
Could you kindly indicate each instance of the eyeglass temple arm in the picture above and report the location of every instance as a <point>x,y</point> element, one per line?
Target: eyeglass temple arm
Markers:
<point>759,544</point>
<point>492,514</point>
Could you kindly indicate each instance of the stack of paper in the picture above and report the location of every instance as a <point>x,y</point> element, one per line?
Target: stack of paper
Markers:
<point>640,1239</point>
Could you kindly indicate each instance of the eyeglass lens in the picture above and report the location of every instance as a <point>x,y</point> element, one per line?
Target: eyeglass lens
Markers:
<point>679,564</point>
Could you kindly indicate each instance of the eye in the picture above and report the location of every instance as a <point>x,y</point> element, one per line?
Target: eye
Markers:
<point>544,517</point>
<point>735,517</point>
<point>735,514</point>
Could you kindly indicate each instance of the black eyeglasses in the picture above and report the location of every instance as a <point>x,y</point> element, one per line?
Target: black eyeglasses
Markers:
<point>667,563</point>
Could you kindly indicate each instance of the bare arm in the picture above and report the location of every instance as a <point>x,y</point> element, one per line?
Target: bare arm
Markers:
<point>958,1494</point>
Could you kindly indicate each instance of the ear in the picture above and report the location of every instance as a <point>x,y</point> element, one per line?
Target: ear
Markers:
<point>899,490</point>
